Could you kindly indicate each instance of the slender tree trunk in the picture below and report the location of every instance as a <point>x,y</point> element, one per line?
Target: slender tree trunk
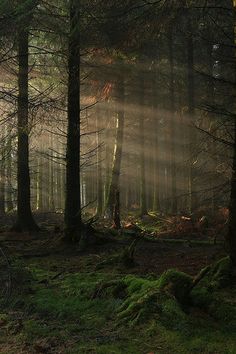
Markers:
<point>113,201</point>
<point>73,221</point>
<point>52,180</point>
<point>156,202</point>
<point>2,173</point>
<point>9,173</point>
<point>40,184</point>
<point>143,197</point>
<point>172,126</point>
<point>107,164</point>
<point>25,221</point>
<point>2,178</point>
<point>231,237</point>
<point>99,166</point>
<point>156,186</point>
<point>191,116</point>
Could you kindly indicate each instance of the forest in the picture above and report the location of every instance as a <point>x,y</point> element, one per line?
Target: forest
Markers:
<point>117,176</point>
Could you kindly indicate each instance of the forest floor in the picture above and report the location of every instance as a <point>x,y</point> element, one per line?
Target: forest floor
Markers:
<point>53,307</point>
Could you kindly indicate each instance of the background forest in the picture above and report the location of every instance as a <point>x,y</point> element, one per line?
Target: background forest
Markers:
<point>117,157</point>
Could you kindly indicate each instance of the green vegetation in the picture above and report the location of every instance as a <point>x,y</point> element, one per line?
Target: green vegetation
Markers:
<point>103,313</point>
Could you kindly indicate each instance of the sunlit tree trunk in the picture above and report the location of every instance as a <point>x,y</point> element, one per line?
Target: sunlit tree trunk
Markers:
<point>191,116</point>
<point>113,201</point>
<point>40,184</point>
<point>58,187</point>
<point>143,197</point>
<point>9,167</point>
<point>107,154</point>
<point>172,126</point>
<point>210,101</point>
<point>156,202</point>
<point>155,150</point>
<point>52,180</point>
<point>129,191</point>
<point>62,191</point>
<point>73,221</point>
<point>25,221</point>
<point>99,165</point>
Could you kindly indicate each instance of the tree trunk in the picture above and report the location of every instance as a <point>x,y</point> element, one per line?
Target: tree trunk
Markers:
<point>3,172</point>
<point>143,201</point>
<point>99,166</point>
<point>73,221</point>
<point>231,236</point>
<point>25,220</point>
<point>113,200</point>
<point>191,115</point>
<point>40,184</point>
<point>156,128</point>
<point>172,127</point>
<point>51,180</point>
<point>9,173</point>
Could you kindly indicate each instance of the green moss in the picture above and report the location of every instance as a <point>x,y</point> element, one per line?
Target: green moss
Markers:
<point>177,283</point>
<point>211,279</point>
<point>136,309</point>
<point>201,297</point>
<point>3,319</point>
<point>135,284</point>
<point>147,299</point>
<point>35,329</point>
<point>102,313</point>
<point>224,310</point>
<point>218,275</point>
<point>222,273</point>
<point>172,314</point>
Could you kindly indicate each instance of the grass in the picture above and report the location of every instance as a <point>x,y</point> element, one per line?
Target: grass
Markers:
<point>61,313</point>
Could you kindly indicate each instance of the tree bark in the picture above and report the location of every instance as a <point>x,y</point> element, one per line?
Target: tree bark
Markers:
<point>25,220</point>
<point>172,126</point>
<point>73,221</point>
<point>3,173</point>
<point>143,201</point>
<point>99,166</point>
<point>191,115</point>
<point>231,236</point>
<point>113,201</point>
<point>9,202</point>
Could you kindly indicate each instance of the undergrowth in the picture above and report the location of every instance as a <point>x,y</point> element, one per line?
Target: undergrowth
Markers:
<point>105,313</point>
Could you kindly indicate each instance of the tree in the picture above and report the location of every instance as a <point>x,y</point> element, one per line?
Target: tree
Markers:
<point>73,222</point>
<point>172,122</point>
<point>113,201</point>
<point>25,220</point>
<point>231,237</point>
<point>143,197</point>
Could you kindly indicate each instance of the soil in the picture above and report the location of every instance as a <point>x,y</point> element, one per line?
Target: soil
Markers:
<point>150,256</point>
